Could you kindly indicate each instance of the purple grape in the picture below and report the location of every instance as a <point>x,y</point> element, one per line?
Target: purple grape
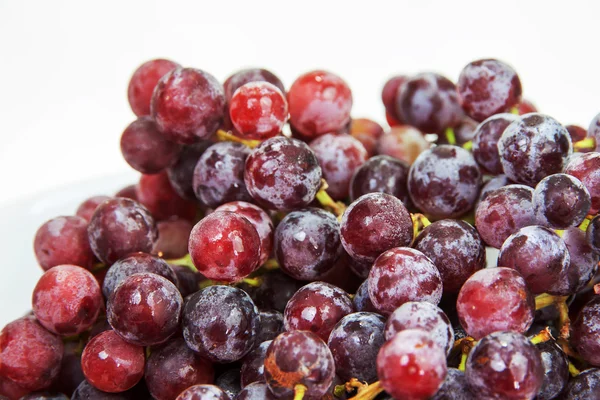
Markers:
<point>181,174</point>
<point>444,181</point>
<point>229,382</point>
<point>354,343</point>
<point>361,300</point>
<point>240,78</point>
<point>593,234</point>
<point>70,375</point>
<point>534,147</point>
<point>556,370</point>
<point>253,366</point>
<point>85,391</point>
<point>274,292</point>
<point>485,142</point>
<point>307,243</point>
<point>173,238</point>
<point>584,332</point>
<point>44,396</point>
<point>560,201</point>
<point>271,325</point>
<point>256,391</point>
<point>495,183</point>
<point>383,174</point>
<point>455,387</point>
<point>587,169</point>
<point>203,392</point>
<point>188,279</point>
<point>594,130</point>
<point>584,262</point>
<point>586,385</point>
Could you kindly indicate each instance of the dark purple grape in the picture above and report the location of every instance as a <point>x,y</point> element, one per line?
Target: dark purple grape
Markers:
<point>256,391</point>
<point>146,149</point>
<point>145,309</point>
<point>495,183</point>
<point>503,212</point>
<point>344,275</point>
<point>70,375</point>
<point>540,256</point>
<point>455,248</point>
<point>584,262</point>
<point>120,227</point>
<point>374,223</point>
<point>400,275</point>
<point>339,156</point>
<point>181,174</point>
<point>576,132</point>
<point>354,343</point>
<point>495,299</point>
<point>560,201</point>
<point>556,370</point>
<point>299,358</point>
<point>188,279</point>
<point>282,174</point>
<point>133,264</point>
<point>229,382</point>
<point>464,132</point>
<point>381,174</point>
<point>487,87</point>
<point>428,102</point>
<point>44,396</point>
<point>485,143</point>
<point>174,367</point>
<point>203,392</point>
<point>240,78</point>
<point>594,130</point>
<point>421,315</point>
<point>317,307</point>
<point>587,169</point>
<point>584,332</point>
<point>173,238</point>
<point>220,323</point>
<point>534,147</point>
<point>455,387</point>
<point>411,365</point>
<point>253,367</point>
<point>85,391</point>
<point>274,292</point>
<point>593,234</point>
<point>586,385</point>
<point>505,365</point>
<point>361,300</point>
<point>219,174</point>
<point>444,181</point>
<point>307,243</point>
<point>271,325</point>
<point>188,105</point>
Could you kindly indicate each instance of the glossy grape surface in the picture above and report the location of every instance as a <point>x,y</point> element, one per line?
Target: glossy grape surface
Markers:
<point>389,94</point>
<point>203,392</point>
<point>584,332</point>
<point>556,370</point>
<point>485,142</point>
<point>253,366</point>
<point>560,201</point>
<point>239,78</point>
<point>584,260</point>
<point>361,300</point>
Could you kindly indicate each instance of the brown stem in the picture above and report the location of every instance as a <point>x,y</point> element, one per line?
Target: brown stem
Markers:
<point>542,337</point>
<point>368,392</point>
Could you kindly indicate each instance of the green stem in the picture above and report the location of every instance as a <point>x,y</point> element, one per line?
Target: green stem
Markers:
<point>450,136</point>
<point>185,261</point>
<point>225,136</point>
<point>541,337</point>
<point>327,202</point>
<point>585,144</point>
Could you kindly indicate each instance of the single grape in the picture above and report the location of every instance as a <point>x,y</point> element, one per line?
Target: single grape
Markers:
<point>256,391</point>
<point>576,132</point>
<point>271,325</point>
<point>354,343</point>
<point>560,201</point>
<point>383,174</point>
<point>173,368</point>
<point>389,95</point>
<point>220,323</point>
<point>282,174</point>
<point>67,300</point>
<point>63,240</point>
<point>244,76</point>
<point>259,219</point>
<point>120,227</point>
<point>299,358</point>
<point>584,261</point>
<point>505,365</point>
<point>402,142</point>
<point>526,107</point>
<point>503,212</point>
<point>145,309</point>
<point>495,183</point>
<point>400,275</point>
<point>85,391</point>
<point>455,387</point>
<point>181,174</point>
<point>253,367</point>
<point>274,291</point>
<point>361,300</point>
<point>374,223</point>
<point>229,382</point>
<point>128,192</point>
<point>156,193</point>
<point>143,82</point>
<point>444,181</point>
<point>188,279</point>
<point>173,238</point>
<point>540,256</point>
<point>111,364</point>
<point>225,247</point>
<point>421,315</point>
<point>411,365</point>
<point>367,132</point>
<point>203,392</point>
<point>586,385</point>
<point>70,375</point>
<point>584,332</point>
<point>487,87</point>
<point>534,147</point>
<point>219,174</point>
<point>593,234</point>
<point>145,148</point>
<point>495,299</point>
<point>317,307</point>
<point>188,105</point>
<point>258,110</point>
<point>30,355</point>
<point>133,264</point>
<point>88,207</point>
<point>556,370</point>
<point>587,169</point>
<point>455,248</point>
<point>307,243</point>
<point>428,102</point>
<point>319,102</point>
<point>485,142</point>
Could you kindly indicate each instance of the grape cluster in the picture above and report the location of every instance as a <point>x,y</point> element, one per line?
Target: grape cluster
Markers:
<point>275,248</point>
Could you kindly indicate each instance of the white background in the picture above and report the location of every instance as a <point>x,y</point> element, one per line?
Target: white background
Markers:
<point>65,65</point>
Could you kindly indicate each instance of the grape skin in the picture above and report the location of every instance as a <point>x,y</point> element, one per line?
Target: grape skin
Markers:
<point>156,193</point>
<point>173,238</point>
<point>203,392</point>
<point>256,391</point>
<point>485,142</point>
<point>403,142</point>
<point>584,386</point>
<point>271,325</point>
<point>560,201</point>
<point>584,332</point>
<point>586,168</point>
<point>556,370</point>
<point>253,366</point>
<point>593,234</point>
<point>240,78</point>
<point>143,82</point>
<point>86,209</point>
<point>455,387</point>
<point>181,173</point>
<point>584,261</point>
<point>383,174</point>
<point>361,300</point>
<point>366,131</point>
<point>229,382</point>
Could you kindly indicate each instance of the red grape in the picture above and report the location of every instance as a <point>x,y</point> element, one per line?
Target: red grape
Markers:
<point>488,87</point>
<point>144,81</point>
<point>389,95</point>
<point>587,169</point>
<point>495,183</point>
<point>402,142</point>
<point>584,332</point>
<point>256,391</point>
<point>156,193</point>
<point>560,201</point>
<point>485,142</point>
<point>400,275</point>
<point>319,102</point>
<point>188,105</point>
<point>244,76</point>
<point>495,299</point>
<point>367,132</point>
<point>181,173</point>
<point>526,107</point>
<point>576,132</point>
<point>225,247</point>
<point>411,365</point>
<point>87,208</point>
<point>128,192</point>
<point>173,238</point>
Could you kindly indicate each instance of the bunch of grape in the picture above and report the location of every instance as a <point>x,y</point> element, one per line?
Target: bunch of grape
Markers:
<point>276,248</point>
